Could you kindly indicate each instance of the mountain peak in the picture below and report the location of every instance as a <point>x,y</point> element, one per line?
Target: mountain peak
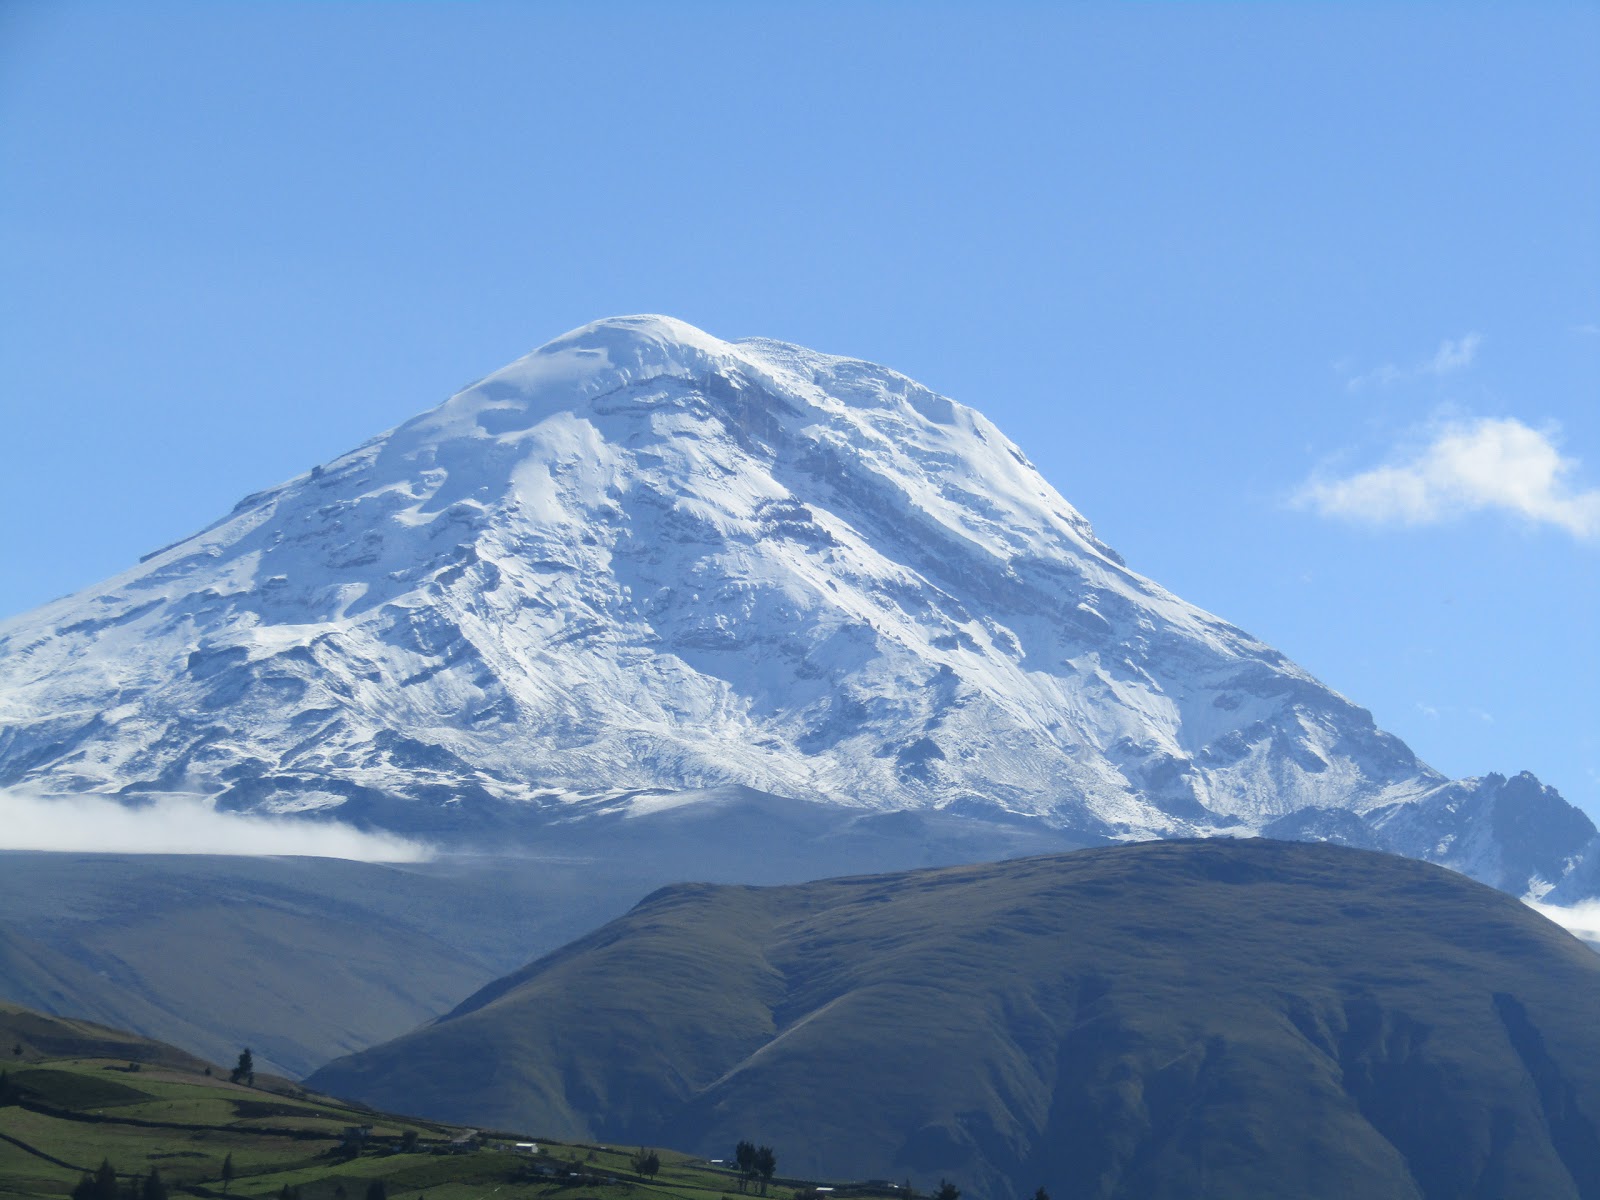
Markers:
<point>643,558</point>
<point>627,348</point>
<point>631,332</point>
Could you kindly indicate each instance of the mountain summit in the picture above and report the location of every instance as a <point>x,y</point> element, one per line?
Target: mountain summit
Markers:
<point>641,563</point>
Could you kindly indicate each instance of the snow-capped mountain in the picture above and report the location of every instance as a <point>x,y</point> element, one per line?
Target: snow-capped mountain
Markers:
<point>642,562</point>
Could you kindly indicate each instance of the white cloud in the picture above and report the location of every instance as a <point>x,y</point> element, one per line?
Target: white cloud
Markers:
<point>183,826</point>
<point>1453,354</point>
<point>1378,377</point>
<point>1581,919</point>
<point>1472,466</point>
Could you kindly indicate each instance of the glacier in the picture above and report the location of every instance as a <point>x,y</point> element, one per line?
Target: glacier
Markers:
<point>642,566</point>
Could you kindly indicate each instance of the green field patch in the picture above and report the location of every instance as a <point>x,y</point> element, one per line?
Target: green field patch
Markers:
<point>273,1108</point>
<point>17,1165</point>
<point>183,1155</point>
<point>75,1089</point>
<point>194,1124</point>
<point>197,1108</point>
<point>333,1121</point>
<point>326,1127</point>
<point>83,1144</point>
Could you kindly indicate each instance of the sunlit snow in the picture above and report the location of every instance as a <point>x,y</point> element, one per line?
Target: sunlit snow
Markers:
<point>644,558</point>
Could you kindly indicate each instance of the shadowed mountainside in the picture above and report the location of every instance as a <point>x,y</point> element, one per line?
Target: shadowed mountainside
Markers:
<point>1239,1018</point>
<point>299,958</point>
<point>304,959</point>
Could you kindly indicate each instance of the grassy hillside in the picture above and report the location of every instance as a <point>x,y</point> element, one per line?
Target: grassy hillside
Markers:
<point>62,1114</point>
<point>305,959</point>
<point>302,959</point>
<point>1240,1019</point>
<point>41,978</point>
<point>27,1037</point>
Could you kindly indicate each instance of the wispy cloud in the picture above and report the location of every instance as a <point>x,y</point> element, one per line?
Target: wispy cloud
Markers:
<point>1485,464</point>
<point>1581,919</point>
<point>1453,354</point>
<point>95,823</point>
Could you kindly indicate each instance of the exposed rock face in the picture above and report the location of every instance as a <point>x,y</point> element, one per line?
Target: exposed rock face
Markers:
<point>642,560</point>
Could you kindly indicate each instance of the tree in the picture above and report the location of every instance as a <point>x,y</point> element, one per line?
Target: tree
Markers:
<point>154,1188</point>
<point>947,1191</point>
<point>646,1162</point>
<point>9,1092</point>
<point>377,1190</point>
<point>744,1157</point>
<point>1041,1194</point>
<point>245,1071</point>
<point>105,1181</point>
<point>85,1188</point>
<point>227,1173</point>
<point>765,1164</point>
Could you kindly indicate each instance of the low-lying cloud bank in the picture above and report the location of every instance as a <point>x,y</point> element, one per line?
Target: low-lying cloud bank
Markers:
<point>184,826</point>
<point>1581,920</point>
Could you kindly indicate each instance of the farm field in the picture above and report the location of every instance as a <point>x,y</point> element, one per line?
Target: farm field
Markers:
<point>61,1118</point>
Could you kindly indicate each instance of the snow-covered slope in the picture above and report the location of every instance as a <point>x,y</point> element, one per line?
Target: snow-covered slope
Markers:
<point>643,561</point>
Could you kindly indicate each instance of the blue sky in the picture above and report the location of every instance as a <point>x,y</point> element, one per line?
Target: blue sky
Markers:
<point>1300,305</point>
